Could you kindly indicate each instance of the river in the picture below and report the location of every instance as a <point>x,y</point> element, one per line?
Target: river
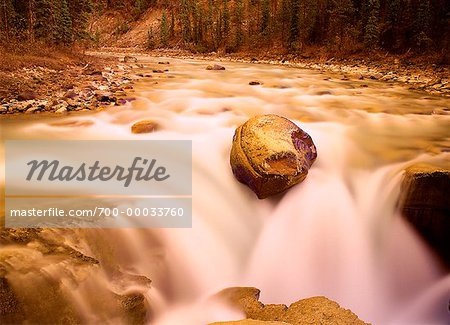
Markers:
<point>337,234</point>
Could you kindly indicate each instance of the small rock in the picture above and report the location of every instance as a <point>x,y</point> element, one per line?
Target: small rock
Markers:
<point>33,109</point>
<point>92,72</point>
<point>145,126</point>
<point>271,154</point>
<point>70,94</point>
<point>215,67</point>
<point>254,83</point>
<point>27,95</point>
<point>128,59</point>
<point>158,71</point>
<point>324,92</point>
<point>61,109</point>
<point>105,97</point>
<point>163,62</point>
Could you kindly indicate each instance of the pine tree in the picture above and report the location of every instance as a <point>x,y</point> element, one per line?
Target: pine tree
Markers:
<point>172,24</point>
<point>265,17</point>
<point>63,24</point>
<point>294,23</point>
<point>422,26</point>
<point>371,31</point>
<point>225,20</point>
<point>185,21</point>
<point>150,39</point>
<point>239,12</point>
<point>394,18</point>
<point>164,30</point>
<point>43,17</point>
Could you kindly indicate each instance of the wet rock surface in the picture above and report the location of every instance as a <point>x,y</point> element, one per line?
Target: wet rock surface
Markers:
<point>215,67</point>
<point>315,310</point>
<point>145,126</point>
<point>41,268</point>
<point>271,154</point>
<point>425,204</point>
<point>249,322</point>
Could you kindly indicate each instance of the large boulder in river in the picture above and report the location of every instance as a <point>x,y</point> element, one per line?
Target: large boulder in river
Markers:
<point>315,310</point>
<point>271,154</point>
<point>425,202</point>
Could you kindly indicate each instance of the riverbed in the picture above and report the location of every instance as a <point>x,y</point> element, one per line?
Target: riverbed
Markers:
<point>337,234</point>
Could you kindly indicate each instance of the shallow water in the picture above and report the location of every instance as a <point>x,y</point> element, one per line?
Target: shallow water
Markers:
<point>337,234</point>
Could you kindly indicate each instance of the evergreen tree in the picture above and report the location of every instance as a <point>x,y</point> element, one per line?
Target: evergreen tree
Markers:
<point>225,20</point>
<point>265,17</point>
<point>164,30</point>
<point>294,23</point>
<point>371,31</point>
<point>185,21</point>
<point>43,17</point>
<point>422,25</point>
<point>63,24</point>
<point>239,16</point>
<point>150,39</point>
<point>172,24</point>
<point>393,19</point>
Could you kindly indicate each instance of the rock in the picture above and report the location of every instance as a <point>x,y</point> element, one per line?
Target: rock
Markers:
<point>61,109</point>
<point>215,67</point>
<point>249,322</point>
<point>135,308</point>
<point>425,203</point>
<point>11,311</point>
<point>92,72</point>
<point>255,83</point>
<point>145,126</point>
<point>324,92</point>
<point>271,154</point>
<point>158,71</point>
<point>315,310</point>
<point>33,109</point>
<point>70,94</point>
<point>105,97</point>
<point>26,95</point>
<point>163,62</point>
<point>128,59</point>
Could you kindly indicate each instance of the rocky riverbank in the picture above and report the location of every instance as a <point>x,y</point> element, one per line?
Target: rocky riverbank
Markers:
<point>431,78</point>
<point>92,86</point>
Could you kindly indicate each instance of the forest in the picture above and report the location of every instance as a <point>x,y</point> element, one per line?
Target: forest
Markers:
<point>348,26</point>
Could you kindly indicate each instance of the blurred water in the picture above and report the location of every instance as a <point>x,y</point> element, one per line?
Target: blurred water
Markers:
<point>337,234</point>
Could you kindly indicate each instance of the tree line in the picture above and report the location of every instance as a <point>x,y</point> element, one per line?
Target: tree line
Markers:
<point>238,25</point>
<point>339,25</point>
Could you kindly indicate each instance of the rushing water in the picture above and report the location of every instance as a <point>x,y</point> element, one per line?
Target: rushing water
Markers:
<point>337,234</point>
